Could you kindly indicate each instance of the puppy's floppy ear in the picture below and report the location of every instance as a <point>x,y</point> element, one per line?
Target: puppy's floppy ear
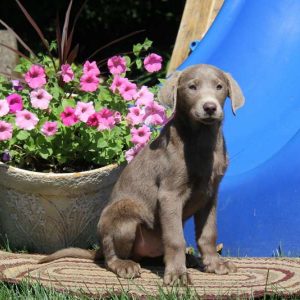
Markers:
<point>168,92</point>
<point>234,93</point>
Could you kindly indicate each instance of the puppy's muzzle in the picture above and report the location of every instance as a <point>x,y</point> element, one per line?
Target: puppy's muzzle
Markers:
<point>207,112</point>
<point>210,108</point>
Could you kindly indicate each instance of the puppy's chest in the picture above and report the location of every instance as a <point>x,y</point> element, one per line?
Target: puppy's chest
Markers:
<point>206,165</point>
<point>204,172</point>
<point>203,185</point>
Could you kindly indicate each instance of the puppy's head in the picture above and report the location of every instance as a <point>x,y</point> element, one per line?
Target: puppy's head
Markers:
<point>200,92</point>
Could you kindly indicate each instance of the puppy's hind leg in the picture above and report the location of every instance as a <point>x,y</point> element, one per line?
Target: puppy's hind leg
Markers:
<point>117,230</point>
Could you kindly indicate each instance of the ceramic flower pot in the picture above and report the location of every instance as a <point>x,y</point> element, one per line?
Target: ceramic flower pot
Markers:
<point>44,212</point>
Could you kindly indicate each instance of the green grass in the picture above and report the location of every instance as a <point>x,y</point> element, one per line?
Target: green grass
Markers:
<point>24,290</point>
<point>35,291</point>
<point>27,291</point>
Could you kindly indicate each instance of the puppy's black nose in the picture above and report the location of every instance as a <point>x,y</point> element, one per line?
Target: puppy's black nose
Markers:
<point>210,108</point>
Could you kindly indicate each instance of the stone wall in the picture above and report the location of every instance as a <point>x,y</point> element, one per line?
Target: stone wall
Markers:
<point>8,58</point>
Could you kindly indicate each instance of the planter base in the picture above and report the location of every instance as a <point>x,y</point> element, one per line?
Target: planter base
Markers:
<point>46,212</point>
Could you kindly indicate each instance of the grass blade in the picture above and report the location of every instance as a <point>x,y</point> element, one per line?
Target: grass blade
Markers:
<point>38,30</point>
<point>65,32</point>
<point>115,41</point>
<point>16,51</point>
<point>34,25</point>
<point>70,37</point>
<point>17,37</point>
<point>73,54</point>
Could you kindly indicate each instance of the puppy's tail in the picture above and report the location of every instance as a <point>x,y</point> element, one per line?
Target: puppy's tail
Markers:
<point>94,255</point>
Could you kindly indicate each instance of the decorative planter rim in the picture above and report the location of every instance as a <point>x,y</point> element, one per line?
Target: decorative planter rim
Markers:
<point>57,175</point>
<point>56,183</point>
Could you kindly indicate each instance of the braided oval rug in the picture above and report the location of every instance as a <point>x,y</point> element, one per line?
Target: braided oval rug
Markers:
<point>254,277</point>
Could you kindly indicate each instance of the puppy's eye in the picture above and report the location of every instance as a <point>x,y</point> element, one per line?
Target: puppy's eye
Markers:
<point>193,87</point>
<point>219,87</point>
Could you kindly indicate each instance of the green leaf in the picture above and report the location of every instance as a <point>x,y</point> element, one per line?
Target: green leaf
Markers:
<point>68,102</point>
<point>137,49</point>
<point>43,120</point>
<point>23,66</point>
<point>40,140</point>
<point>127,139</point>
<point>61,158</point>
<point>56,111</point>
<point>50,151</point>
<point>138,63</point>
<point>53,45</point>
<point>128,60</point>
<point>12,141</point>
<point>161,80</point>
<point>31,145</point>
<point>45,152</point>
<point>147,44</point>
<point>98,106</point>
<point>22,135</point>
<point>102,143</point>
<point>55,91</point>
<point>2,79</point>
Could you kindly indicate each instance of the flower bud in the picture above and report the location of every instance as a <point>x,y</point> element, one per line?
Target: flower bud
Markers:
<point>5,156</point>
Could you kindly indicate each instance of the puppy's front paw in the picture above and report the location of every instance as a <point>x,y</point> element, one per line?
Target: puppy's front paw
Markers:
<point>125,268</point>
<point>215,264</point>
<point>177,276</point>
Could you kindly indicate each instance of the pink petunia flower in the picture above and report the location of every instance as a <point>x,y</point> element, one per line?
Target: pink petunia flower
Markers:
<point>127,90</point>
<point>155,114</point>
<point>118,117</point>
<point>117,83</point>
<point>135,116</point>
<point>152,62</point>
<point>155,120</point>
<point>35,77</point>
<point>143,96</point>
<point>6,130</point>
<point>68,116</point>
<point>40,98</point>
<point>67,73</point>
<point>15,103</point>
<point>140,135</point>
<point>91,67</point>
<point>89,82</point>
<point>83,110</point>
<point>26,120</point>
<point>116,65</point>
<point>4,108</point>
<point>132,152</point>
<point>49,128</point>
<point>106,119</point>
<point>93,120</point>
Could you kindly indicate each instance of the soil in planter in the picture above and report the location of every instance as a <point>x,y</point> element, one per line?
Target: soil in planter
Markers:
<point>43,166</point>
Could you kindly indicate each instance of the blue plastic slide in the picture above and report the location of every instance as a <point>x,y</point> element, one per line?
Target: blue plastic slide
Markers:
<point>258,42</point>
